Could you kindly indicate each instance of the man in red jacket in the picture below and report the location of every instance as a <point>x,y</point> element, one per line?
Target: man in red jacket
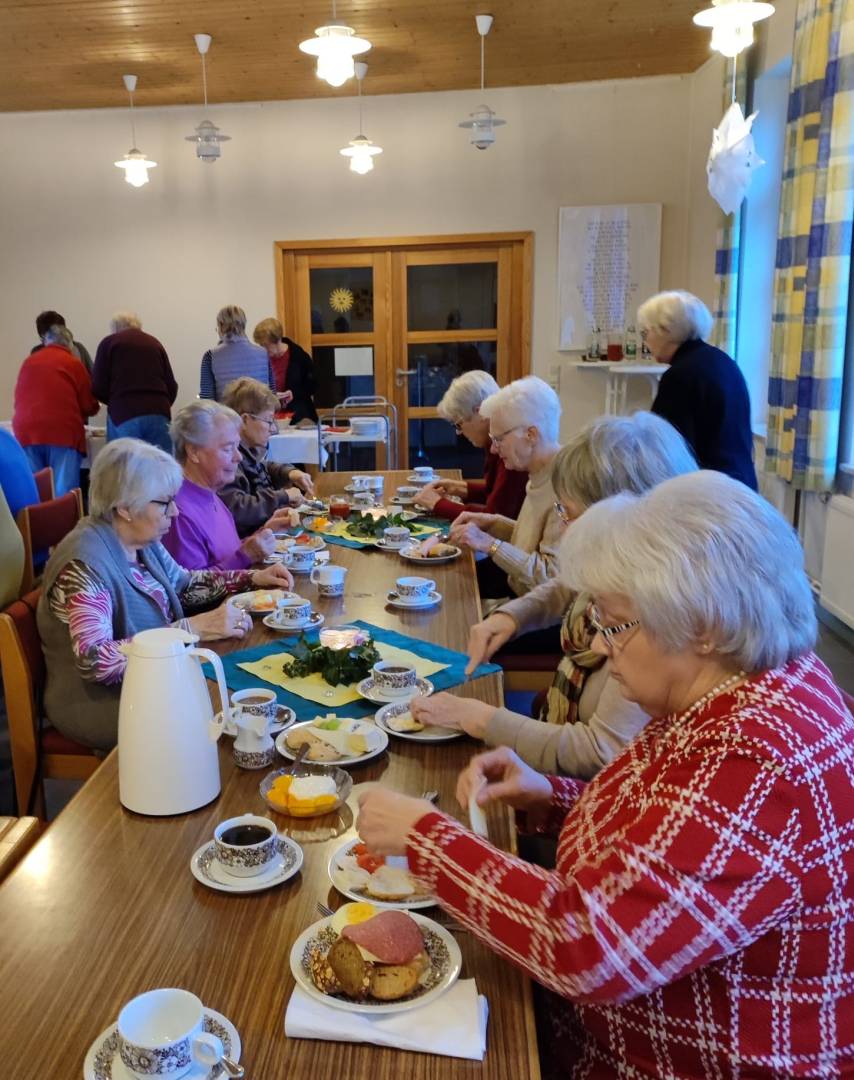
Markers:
<point>53,399</point>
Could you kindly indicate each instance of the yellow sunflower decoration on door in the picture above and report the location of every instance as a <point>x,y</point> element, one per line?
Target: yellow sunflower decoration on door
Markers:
<point>341,300</point>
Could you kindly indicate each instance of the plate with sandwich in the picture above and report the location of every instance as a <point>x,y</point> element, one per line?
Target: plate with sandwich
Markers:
<point>396,719</point>
<point>366,960</point>
<point>383,880</point>
<point>433,550</point>
<point>260,601</point>
<point>334,740</point>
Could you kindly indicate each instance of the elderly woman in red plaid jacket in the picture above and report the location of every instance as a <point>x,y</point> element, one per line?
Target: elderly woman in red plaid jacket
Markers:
<point>700,921</point>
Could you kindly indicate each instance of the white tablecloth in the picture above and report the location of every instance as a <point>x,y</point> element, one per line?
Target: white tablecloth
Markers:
<point>294,445</point>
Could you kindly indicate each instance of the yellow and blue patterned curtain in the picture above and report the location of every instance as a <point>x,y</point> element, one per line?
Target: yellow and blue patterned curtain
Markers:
<point>814,250</point>
<point>727,246</point>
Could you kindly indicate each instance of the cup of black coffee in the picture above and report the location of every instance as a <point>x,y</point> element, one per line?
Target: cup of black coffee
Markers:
<point>246,845</point>
<point>394,680</point>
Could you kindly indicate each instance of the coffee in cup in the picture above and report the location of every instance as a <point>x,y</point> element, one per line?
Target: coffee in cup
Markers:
<point>414,590</point>
<point>394,680</point>
<point>258,702</point>
<point>293,611</point>
<point>245,846</point>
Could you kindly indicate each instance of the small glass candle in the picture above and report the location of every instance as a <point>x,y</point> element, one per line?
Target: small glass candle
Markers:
<point>342,637</point>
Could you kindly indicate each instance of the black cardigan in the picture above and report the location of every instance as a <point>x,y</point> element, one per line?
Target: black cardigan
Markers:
<point>300,382</point>
<point>704,396</point>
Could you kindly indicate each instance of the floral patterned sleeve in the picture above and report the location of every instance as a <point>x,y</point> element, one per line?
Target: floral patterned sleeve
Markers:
<point>201,588</point>
<point>80,599</point>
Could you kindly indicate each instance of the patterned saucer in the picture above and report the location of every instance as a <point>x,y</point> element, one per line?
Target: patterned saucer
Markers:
<point>103,1061</point>
<point>207,870</point>
<point>367,688</point>
<point>392,598</point>
<point>316,619</point>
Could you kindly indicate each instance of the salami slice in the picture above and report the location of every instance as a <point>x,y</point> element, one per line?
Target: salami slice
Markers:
<point>393,937</point>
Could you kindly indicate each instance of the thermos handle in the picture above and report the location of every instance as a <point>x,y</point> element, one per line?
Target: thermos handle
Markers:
<point>216,726</point>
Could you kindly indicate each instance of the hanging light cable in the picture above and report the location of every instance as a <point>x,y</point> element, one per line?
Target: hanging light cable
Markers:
<point>483,121</point>
<point>335,45</point>
<point>207,137</point>
<point>732,23</point>
<point>134,163</point>
<point>361,150</point>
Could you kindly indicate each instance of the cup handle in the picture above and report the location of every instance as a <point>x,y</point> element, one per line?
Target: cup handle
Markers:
<point>311,576</point>
<point>432,586</point>
<point>207,1049</point>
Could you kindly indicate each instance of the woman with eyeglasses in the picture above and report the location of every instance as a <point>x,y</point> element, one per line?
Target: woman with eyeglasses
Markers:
<point>584,720</point>
<point>260,488</point>
<point>206,435</point>
<point>502,490</point>
<point>524,424</point>
<point>699,920</point>
<point>111,577</point>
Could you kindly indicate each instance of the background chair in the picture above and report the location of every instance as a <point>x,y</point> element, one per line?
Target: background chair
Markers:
<point>39,752</point>
<point>44,483</point>
<point>17,836</point>
<point>43,525</point>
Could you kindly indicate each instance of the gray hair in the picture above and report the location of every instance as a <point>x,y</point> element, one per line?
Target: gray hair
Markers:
<point>679,315</point>
<point>703,559</point>
<point>231,321</point>
<point>196,423</point>
<point>527,402</point>
<point>58,335</point>
<point>125,320</point>
<point>619,453</point>
<point>465,395</point>
<point>130,473</point>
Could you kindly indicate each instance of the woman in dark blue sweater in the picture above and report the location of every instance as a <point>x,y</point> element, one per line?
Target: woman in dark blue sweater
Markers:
<point>703,394</point>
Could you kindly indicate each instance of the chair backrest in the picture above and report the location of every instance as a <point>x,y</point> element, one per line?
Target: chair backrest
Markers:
<point>44,524</point>
<point>44,483</point>
<point>23,667</point>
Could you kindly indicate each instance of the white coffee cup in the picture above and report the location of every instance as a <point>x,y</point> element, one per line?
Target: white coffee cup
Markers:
<point>414,590</point>
<point>361,483</point>
<point>407,493</point>
<point>256,702</point>
<point>161,1034</point>
<point>423,472</point>
<point>329,579</point>
<point>300,558</point>
<point>293,611</point>
<point>395,536</point>
<point>363,498</point>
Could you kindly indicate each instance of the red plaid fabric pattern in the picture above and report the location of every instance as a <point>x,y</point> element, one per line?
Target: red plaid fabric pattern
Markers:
<point>699,922</point>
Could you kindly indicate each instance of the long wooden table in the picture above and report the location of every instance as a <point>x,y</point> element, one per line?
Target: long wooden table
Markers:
<point>105,907</point>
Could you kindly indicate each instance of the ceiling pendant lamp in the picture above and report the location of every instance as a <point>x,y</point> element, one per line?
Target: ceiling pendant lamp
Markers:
<point>361,150</point>
<point>335,45</point>
<point>207,137</point>
<point>483,121</point>
<point>134,163</point>
<point>732,23</point>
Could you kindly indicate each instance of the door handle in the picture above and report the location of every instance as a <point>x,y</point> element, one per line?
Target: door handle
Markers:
<point>404,373</point>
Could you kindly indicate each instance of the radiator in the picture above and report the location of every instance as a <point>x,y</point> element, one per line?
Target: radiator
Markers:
<point>837,572</point>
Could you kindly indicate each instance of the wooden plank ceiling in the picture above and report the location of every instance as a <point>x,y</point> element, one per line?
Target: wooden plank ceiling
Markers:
<point>70,54</point>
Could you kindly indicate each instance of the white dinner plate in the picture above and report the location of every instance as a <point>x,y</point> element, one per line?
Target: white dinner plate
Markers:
<point>245,600</point>
<point>368,689</point>
<point>428,735</point>
<point>206,869</point>
<point>335,876</point>
<point>315,619</point>
<point>341,763</point>
<point>446,964</point>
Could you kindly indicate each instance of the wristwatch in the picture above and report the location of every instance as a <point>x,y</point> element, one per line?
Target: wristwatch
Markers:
<point>493,547</point>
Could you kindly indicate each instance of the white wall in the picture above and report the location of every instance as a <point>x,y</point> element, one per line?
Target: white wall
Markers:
<point>75,237</point>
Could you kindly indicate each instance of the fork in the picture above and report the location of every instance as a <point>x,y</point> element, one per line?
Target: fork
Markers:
<point>430,796</point>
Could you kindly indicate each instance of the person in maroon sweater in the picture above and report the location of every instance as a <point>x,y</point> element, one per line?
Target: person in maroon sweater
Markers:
<point>53,399</point>
<point>133,377</point>
<point>502,490</point>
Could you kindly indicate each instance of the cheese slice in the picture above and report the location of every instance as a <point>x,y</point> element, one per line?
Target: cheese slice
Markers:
<point>349,742</point>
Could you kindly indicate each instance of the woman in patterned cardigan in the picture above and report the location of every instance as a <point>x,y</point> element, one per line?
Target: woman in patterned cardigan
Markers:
<point>699,921</point>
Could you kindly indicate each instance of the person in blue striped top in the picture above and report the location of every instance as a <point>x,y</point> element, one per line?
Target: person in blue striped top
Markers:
<point>235,356</point>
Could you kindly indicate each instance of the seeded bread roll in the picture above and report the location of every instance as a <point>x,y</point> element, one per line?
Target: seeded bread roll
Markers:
<point>389,982</point>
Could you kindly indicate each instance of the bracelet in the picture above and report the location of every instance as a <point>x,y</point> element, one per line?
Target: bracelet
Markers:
<point>493,547</point>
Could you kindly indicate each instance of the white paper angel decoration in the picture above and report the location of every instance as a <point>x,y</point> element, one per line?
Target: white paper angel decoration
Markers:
<point>732,159</point>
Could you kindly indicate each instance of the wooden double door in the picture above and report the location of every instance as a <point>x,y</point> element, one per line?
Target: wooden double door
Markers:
<point>402,317</point>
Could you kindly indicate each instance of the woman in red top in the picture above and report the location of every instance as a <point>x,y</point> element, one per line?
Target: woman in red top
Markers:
<point>502,490</point>
<point>700,921</point>
<point>53,400</point>
<point>293,370</point>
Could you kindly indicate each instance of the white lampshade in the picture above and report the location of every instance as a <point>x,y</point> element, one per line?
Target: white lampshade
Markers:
<point>136,166</point>
<point>335,46</point>
<point>361,153</point>
<point>732,22</point>
<point>207,140</point>
<point>482,126</point>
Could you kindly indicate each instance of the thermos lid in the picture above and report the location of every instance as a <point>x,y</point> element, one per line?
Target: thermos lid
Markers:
<point>162,642</point>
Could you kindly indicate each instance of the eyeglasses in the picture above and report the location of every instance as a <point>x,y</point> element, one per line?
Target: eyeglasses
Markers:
<point>165,503</point>
<point>271,424</point>
<point>496,440</point>
<point>561,512</point>
<point>644,335</point>
<point>608,633</point>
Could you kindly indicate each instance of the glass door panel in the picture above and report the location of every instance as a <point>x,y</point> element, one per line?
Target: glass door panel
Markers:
<point>342,372</point>
<point>342,299</point>
<point>433,367</point>
<point>452,296</point>
<point>434,442</point>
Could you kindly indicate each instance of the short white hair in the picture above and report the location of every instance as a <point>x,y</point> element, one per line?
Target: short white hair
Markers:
<point>130,473</point>
<point>702,558</point>
<point>465,396</point>
<point>613,454</point>
<point>125,320</point>
<point>197,422</point>
<point>527,402</point>
<point>679,316</point>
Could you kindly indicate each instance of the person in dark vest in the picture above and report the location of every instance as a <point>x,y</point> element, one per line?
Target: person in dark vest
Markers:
<point>703,394</point>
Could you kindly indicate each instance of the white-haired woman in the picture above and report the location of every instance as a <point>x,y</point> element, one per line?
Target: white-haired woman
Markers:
<point>502,490</point>
<point>111,577</point>
<point>703,394</point>
<point>524,425</point>
<point>133,377</point>
<point>699,920</point>
<point>585,720</point>
<point>233,356</point>
<point>203,536</point>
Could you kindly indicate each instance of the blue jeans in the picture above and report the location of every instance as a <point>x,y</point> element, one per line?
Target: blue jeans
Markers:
<point>64,461</point>
<point>151,429</point>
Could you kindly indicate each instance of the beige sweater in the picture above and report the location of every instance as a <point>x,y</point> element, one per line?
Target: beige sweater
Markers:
<point>529,549</point>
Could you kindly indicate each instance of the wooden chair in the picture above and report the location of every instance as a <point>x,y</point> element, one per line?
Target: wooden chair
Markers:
<point>17,836</point>
<point>39,752</point>
<point>43,525</point>
<point>525,673</point>
<point>44,483</point>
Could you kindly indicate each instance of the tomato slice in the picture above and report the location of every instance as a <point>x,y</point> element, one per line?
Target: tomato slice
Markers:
<point>370,862</point>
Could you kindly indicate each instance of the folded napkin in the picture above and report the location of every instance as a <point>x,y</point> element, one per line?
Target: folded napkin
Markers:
<point>454,1025</point>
